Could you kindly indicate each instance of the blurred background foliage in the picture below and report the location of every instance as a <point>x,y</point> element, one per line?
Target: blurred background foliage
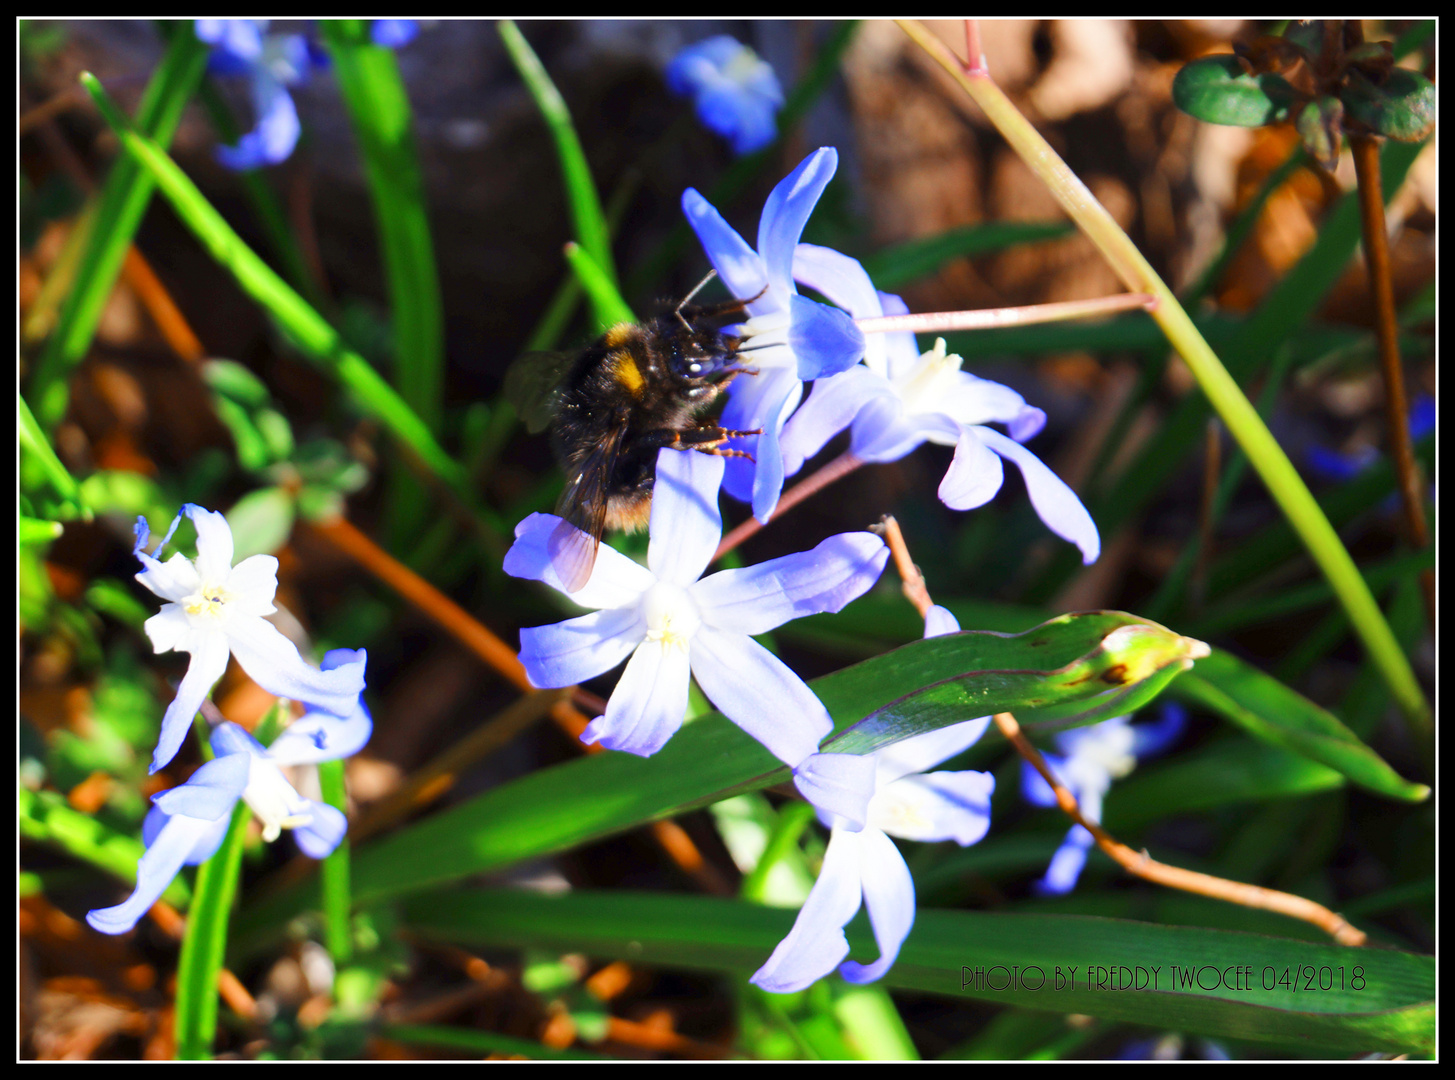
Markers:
<point>190,393</point>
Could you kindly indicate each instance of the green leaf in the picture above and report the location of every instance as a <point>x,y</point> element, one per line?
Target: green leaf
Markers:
<point>261,522</point>
<point>1402,107</point>
<point>205,941</point>
<point>121,204</point>
<point>1320,125</point>
<point>37,531</point>
<point>1217,89</point>
<point>606,301</point>
<point>1074,661</point>
<point>1265,708</point>
<point>1208,981</point>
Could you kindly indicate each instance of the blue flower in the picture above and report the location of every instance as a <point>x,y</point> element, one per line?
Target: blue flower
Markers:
<point>787,338</point>
<point>734,90</point>
<point>214,610</point>
<point>392,33</point>
<point>669,623</point>
<point>1094,756</point>
<point>187,823</point>
<point>900,398</point>
<point>1333,465</point>
<point>865,800</point>
<point>271,63</point>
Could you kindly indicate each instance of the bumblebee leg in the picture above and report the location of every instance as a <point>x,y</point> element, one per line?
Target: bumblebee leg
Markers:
<point>709,440</point>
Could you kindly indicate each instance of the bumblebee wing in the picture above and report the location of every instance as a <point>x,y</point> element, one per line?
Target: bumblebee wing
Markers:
<point>531,386</point>
<point>572,544</point>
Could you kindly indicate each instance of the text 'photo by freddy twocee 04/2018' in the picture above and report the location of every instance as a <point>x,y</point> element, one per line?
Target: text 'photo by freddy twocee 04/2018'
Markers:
<point>726,539</point>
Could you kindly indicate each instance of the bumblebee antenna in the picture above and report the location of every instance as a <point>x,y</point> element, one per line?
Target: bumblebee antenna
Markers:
<point>688,298</point>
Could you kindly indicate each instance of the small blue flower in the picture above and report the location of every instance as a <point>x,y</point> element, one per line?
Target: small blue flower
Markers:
<point>271,63</point>
<point>187,823</point>
<point>1333,465</point>
<point>393,33</point>
<point>899,399</point>
<point>1094,756</point>
<point>865,800</point>
<point>214,610</point>
<point>734,90</point>
<point>788,338</point>
<point>670,624</point>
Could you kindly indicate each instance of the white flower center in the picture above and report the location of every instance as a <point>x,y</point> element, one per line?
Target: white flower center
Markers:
<point>209,601</point>
<point>744,67</point>
<point>896,811</point>
<point>273,799</point>
<point>672,616</point>
<point>927,385</point>
<point>765,341</point>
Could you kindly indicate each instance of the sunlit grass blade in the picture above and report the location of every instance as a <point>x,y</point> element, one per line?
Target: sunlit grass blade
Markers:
<point>337,899</point>
<point>369,79</point>
<point>1266,709</point>
<point>581,194</point>
<point>122,202</point>
<point>302,323</point>
<point>34,443</point>
<point>1388,1004</point>
<point>1218,382</point>
<point>206,941</point>
<point>606,301</point>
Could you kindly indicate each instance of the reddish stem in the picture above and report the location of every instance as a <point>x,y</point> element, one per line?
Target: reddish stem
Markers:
<point>841,466</point>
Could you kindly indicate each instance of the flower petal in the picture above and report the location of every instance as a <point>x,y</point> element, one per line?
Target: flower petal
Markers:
<point>840,785</point>
<point>276,133</point>
<point>615,581</point>
<point>1067,864</point>
<point>738,265</point>
<point>759,693</point>
<point>169,629</point>
<point>920,752</point>
<point>935,806</point>
<point>154,872</point>
<point>845,282</point>
<point>171,580</point>
<point>209,793</point>
<point>974,476</point>
<point>686,522</point>
<point>768,469</point>
<point>322,834</point>
<point>824,339</point>
<point>830,408</point>
<point>252,585</point>
<point>786,211</point>
<point>320,736</point>
<point>566,653</point>
<point>209,660</point>
<point>816,944</point>
<point>754,599</point>
<point>649,702</point>
<point>884,432</point>
<point>273,662</point>
<point>939,620</point>
<point>1055,503</point>
<point>1034,788</point>
<point>1154,738</point>
<point>214,543</point>
<point>889,896</point>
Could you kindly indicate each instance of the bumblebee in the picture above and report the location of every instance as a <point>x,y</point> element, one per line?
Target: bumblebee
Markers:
<point>637,389</point>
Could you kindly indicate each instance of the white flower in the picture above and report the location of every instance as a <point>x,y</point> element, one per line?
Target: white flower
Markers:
<point>215,608</point>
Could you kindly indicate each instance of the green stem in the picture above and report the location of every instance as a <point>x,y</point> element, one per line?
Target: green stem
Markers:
<point>337,901</point>
<point>205,942</point>
<point>1237,413</point>
<point>122,202</point>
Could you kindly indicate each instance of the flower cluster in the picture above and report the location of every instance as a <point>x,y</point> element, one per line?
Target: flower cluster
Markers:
<point>734,90</point>
<point>669,624</point>
<point>1090,759</point>
<point>214,610</point>
<point>272,63</point>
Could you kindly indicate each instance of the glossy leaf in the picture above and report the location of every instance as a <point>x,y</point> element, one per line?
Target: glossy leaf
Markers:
<point>1217,89</point>
<point>1265,708</point>
<point>1375,998</point>
<point>1402,107</point>
<point>1075,663</point>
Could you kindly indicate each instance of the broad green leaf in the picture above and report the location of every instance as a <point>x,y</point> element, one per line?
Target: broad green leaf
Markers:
<point>1211,982</point>
<point>1076,661</point>
<point>1265,708</point>
<point>1402,107</point>
<point>1217,89</point>
<point>1234,770</point>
